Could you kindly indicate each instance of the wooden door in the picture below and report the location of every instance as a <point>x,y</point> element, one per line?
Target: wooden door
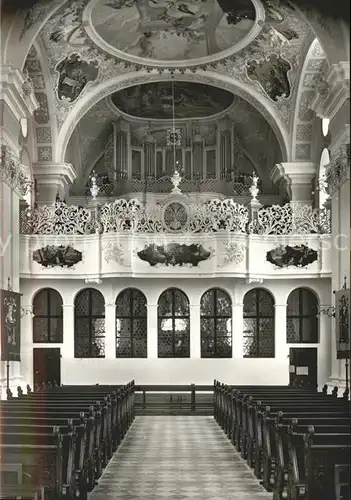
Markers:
<point>303,366</point>
<point>47,365</point>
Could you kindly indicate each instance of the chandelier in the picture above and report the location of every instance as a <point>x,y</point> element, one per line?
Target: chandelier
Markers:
<point>174,140</point>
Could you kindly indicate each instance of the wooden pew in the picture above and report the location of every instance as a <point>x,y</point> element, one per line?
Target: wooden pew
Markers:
<point>95,438</point>
<point>257,431</point>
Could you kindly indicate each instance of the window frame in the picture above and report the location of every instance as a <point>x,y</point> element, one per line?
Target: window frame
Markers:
<point>257,318</point>
<point>215,317</point>
<point>131,317</point>
<point>301,317</point>
<point>173,317</point>
<point>91,318</point>
<point>47,316</point>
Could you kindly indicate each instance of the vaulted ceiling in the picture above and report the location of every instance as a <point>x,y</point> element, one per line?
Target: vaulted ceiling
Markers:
<point>108,58</point>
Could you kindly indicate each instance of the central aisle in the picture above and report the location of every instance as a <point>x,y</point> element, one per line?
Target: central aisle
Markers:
<point>176,458</point>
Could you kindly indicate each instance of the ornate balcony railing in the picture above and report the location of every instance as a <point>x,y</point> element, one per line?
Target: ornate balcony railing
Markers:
<point>236,187</point>
<point>175,216</point>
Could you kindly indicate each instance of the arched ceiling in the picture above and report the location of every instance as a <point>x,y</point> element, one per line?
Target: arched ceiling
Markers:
<point>256,47</point>
<point>256,137</point>
<point>167,30</point>
<point>155,100</point>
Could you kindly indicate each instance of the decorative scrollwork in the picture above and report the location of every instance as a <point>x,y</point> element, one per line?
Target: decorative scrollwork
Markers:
<point>338,170</point>
<point>57,218</point>
<point>10,171</point>
<point>211,217</point>
<point>291,219</point>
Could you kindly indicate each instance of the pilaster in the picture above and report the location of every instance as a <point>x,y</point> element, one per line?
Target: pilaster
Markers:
<point>67,350</point>
<point>195,331</point>
<point>110,331</point>
<point>281,346</point>
<point>52,179</point>
<point>238,330</point>
<point>152,331</point>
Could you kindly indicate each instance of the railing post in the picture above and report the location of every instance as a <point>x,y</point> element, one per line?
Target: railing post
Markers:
<point>144,399</point>
<point>193,396</point>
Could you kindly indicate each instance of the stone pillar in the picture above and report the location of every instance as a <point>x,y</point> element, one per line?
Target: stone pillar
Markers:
<point>197,156</point>
<point>195,331</point>
<point>52,180</point>
<point>298,177</point>
<point>67,349</point>
<point>110,331</point>
<point>152,331</point>
<point>281,346</point>
<point>238,330</point>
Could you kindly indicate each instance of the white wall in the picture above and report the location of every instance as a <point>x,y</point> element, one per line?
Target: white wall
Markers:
<point>152,370</point>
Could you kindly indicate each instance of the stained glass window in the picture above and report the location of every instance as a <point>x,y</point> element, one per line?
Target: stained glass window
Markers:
<point>216,324</point>
<point>131,324</point>
<point>89,324</point>
<point>47,316</point>
<point>258,332</point>
<point>173,324</point>
<point>301,317</point>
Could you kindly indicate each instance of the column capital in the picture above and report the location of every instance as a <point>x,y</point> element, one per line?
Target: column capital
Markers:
<point>298,177</point>
<point>68,306</point>
<point>17,91</point>
<point>298,172</point>
<point>332,91</point>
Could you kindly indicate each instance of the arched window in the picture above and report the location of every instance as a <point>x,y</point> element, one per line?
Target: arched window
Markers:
<point>258,324</point>
<point>131,324</point>
<point>47,316</point>
<point>173,324</point>
<point>216,324</point>
<point>89,324</point>
<point>301,317</point>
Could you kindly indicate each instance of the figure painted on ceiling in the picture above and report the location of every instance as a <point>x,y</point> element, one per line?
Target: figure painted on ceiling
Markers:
<point>172,29</point>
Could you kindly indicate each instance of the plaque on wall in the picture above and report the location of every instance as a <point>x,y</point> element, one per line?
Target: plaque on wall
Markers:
<point>302,370</point>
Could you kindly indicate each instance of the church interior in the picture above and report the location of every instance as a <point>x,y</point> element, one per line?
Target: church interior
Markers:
<point>175,249</point>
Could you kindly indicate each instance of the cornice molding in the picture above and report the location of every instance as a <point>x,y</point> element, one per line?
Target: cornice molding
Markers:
<point>332,91</point>
<point>299,172</point>
<point>62,174</point>
<point>17,91</point>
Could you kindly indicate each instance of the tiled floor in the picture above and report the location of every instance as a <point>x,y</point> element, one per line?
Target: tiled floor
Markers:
<point>177,458</point>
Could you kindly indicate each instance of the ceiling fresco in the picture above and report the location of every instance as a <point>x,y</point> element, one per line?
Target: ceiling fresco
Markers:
<point>170,29</point>
<point>154,100</point>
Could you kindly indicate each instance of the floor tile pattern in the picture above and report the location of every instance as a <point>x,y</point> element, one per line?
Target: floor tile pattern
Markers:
<point>177,458</point>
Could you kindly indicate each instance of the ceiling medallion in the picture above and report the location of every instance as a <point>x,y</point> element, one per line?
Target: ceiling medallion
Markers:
<point>170,33</point>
